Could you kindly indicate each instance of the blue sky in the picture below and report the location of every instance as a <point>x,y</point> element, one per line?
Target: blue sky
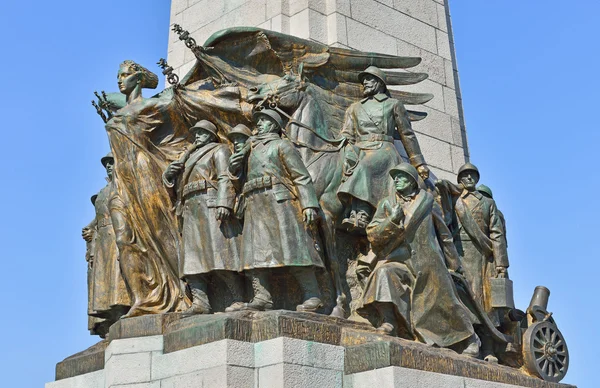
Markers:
<point>530,94</point>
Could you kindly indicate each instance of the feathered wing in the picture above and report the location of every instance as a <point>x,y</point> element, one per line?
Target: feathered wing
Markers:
<point>246,55</point>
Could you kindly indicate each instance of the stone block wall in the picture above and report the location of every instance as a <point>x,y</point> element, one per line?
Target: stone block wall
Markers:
<point>398,27</point>
<point>277,363</point>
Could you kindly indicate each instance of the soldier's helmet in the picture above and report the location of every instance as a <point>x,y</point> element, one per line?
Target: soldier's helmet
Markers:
<point>374,71</point>
<point>206,126</point>
<point>406,168</point>
<point>467,167</point>
<point>106,158</point>
<point>239,130</point>
<point>485,191</point>
<point>269,113</point>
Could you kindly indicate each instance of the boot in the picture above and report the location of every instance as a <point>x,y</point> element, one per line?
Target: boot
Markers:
<point>487,349</point>
<point>473,344</point>
<point>200,303</point>
<point>233,282</point>
<point>388,318</point>
<point>262,300</point>
<point>310,288</point>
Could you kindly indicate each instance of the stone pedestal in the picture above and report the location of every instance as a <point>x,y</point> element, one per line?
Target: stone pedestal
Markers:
<point>420,28</point>
<point>273,349</point>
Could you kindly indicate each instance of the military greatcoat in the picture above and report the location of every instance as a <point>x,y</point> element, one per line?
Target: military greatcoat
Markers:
<point>411,272</point>
<point>371,125</point>
<point>481,243</point>
<point>110,295</point>
<point>204,185</point>
<point>276,191</point>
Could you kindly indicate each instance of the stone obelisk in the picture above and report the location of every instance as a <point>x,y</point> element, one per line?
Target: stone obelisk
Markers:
<point>399,27</point>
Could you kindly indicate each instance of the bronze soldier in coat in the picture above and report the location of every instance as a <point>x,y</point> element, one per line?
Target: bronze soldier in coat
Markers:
<point>478,234</point>
<point>410,292</point>
<point>280,213</point>
<point>487,192</point>
<point>96,326</point>
<point>109,298</point>
<point>205,199</point>
<point>371,125</point>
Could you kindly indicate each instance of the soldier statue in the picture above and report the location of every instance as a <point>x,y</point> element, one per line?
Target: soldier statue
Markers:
<point>487,192</point>
<point>109,298</point>
<point>410,293</point>
<point>205,199</point>
<point>239,136</point>
<point>96,326</point>
<point>281,210</point>
<point>371,125</point>
<point>478,234</point>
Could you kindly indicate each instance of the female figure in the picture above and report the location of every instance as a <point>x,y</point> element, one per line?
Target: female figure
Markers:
<point>144,137</point>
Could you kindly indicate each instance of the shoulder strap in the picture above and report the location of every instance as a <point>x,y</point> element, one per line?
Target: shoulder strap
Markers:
<point>472,229</point>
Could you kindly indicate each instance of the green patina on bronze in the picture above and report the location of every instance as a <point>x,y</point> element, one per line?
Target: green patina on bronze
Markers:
<point>270,176</point>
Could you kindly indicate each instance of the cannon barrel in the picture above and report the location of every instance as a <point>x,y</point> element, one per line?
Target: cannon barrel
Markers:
<point>539,298</point>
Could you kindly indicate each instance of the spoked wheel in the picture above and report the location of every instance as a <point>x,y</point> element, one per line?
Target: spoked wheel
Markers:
<point>545,351</point>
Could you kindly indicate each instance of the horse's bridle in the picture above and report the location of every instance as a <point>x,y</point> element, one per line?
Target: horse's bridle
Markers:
<point>272,101</point>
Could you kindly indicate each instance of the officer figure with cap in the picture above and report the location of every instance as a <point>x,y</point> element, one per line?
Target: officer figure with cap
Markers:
<point>280,213</point>
<point>478,234</point>
<point>371,125</point>
<point>410,292</point>
<point>109,299</point>
<point>205,198</point>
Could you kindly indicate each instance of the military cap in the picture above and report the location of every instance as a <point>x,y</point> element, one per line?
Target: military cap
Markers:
<point>486,190</point>
<point>406,168</point>
<point>374,71</point>
<point>239,130</point>
<point>466,167</point>
<point>270,113</point>
<point>106,158</point>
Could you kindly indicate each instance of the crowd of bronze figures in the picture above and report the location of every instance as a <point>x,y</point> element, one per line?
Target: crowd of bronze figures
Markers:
<point>267,152</point>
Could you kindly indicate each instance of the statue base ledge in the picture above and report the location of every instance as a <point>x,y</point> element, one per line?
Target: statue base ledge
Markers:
<point>272,349</point>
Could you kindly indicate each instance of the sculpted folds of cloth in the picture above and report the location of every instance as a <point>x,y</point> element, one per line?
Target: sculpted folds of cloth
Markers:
<point>204,200</point>
<point>371,125</point>
<point>413,245</point>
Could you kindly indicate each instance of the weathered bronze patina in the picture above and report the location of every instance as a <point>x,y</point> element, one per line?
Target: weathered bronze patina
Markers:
<point>370,126</point>
<point>204,200</point>
<point>478,233</point>
<point>414,251</point>
<point>199,203</point>
<point>108,296</point>
<point>280,210</point>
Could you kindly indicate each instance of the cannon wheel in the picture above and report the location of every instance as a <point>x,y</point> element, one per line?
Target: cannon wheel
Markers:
<point>545,351</point>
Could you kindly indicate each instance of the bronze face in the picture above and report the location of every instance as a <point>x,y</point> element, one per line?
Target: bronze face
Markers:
<point>238,142</point>
<point>127,79</point>
<point>265,124</point>
<point>202,137</point>
<point>469,180</point>
<point>371,85</point>
<point>404,183</point>
<point>110,164</point>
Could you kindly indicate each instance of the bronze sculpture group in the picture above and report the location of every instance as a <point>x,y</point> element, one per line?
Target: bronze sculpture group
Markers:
<point>256,163</point>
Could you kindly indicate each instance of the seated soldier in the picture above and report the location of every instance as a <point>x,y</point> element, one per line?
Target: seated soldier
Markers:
<point>410,292</point>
